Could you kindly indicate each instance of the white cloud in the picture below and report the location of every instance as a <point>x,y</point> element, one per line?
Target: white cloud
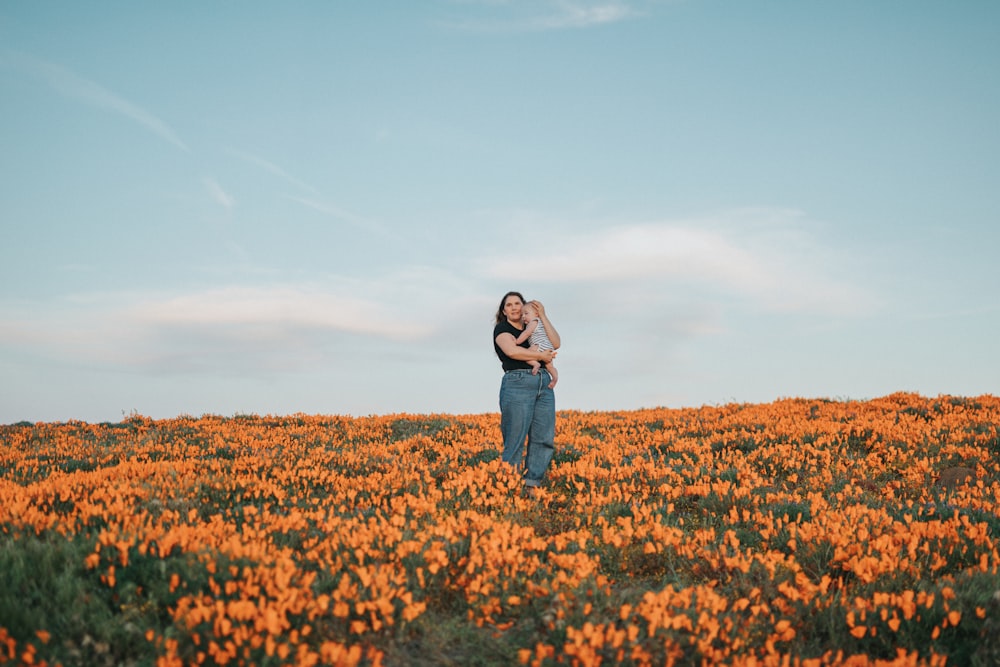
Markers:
<point>639,307</point>
<point>231,330</point>
<point>279,310</point>
<point>764,258</point>
<point>637,252</point>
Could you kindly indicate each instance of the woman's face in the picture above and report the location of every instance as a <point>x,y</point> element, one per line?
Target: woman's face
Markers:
<point>512,308</point>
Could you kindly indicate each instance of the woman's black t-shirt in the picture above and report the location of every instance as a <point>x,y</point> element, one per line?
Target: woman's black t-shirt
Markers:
<point>510,364</point>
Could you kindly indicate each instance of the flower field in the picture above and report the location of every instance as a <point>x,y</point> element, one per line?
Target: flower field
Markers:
<point>799,532</point>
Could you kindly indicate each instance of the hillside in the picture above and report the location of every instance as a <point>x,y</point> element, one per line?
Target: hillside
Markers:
<point>825,532</point>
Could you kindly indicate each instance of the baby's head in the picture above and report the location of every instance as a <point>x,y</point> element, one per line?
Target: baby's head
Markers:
<point>528,311</point>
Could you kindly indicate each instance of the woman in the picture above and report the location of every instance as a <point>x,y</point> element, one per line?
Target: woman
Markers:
<point>527,402</point>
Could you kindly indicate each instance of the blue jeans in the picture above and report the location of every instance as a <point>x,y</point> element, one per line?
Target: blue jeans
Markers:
<point>528,412</point>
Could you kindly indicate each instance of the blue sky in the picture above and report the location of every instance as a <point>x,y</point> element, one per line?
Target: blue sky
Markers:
<point>274,208</point>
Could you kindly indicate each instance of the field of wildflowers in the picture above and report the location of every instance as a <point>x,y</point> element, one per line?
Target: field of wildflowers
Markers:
<point>799,532</point>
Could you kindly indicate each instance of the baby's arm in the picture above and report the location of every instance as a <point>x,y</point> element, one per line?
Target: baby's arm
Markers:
<point>528,330</point>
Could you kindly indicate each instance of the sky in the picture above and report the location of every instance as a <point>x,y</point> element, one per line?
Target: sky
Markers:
<point>315,207</point>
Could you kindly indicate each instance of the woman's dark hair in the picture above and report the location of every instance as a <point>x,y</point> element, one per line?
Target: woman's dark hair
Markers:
<point>503,302</point>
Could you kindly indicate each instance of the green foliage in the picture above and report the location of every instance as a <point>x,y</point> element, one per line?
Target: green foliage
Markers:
<point>441,638</point>
<point>43,585</point>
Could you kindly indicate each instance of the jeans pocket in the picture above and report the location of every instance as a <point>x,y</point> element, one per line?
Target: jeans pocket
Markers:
<point>515,379</point>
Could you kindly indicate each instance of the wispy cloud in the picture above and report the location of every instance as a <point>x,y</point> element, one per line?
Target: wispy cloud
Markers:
<point>74,86</point>
<point>584,15</point>
<point>272,168</point>
<point>538,15</point>
<point>219,195</point>
<point>312,198</point>
<point>342,214</point>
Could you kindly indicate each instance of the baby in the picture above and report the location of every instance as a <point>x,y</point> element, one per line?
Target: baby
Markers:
<point>534,331</point>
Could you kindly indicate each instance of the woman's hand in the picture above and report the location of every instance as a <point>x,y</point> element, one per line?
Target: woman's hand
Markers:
<point>549,329</point>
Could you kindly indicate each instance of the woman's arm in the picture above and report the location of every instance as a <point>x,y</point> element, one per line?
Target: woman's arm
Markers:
<point>507,344</point>
<point>526,334</point>
<point>549,329</point>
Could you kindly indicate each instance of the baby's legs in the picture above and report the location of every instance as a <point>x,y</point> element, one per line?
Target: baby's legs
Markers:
<point>535,363</point>
<point>551,368</point>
